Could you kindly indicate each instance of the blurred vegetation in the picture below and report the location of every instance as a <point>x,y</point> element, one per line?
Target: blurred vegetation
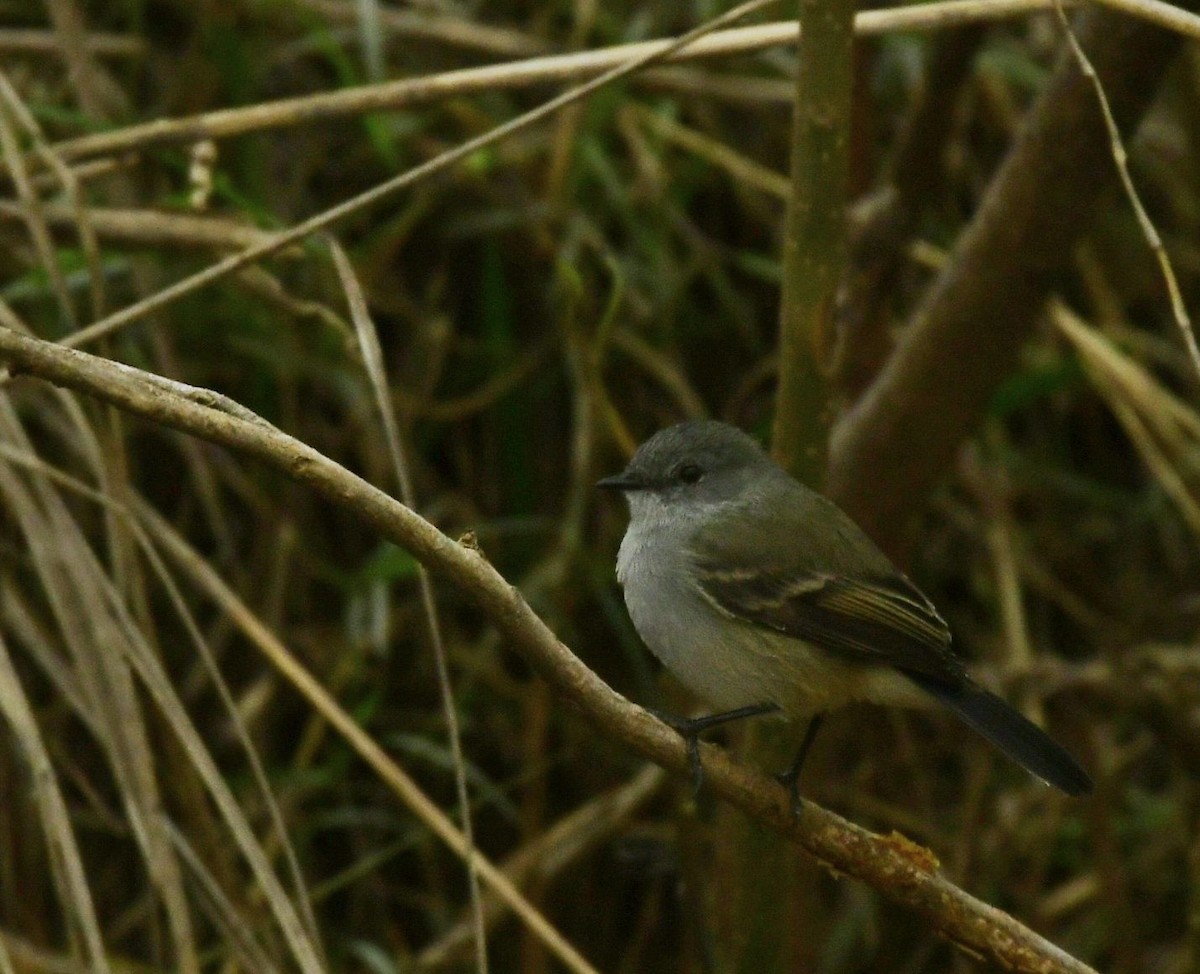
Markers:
<point>541,309</point>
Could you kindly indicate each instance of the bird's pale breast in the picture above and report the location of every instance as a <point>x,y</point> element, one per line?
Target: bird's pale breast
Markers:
<point>730,662</point>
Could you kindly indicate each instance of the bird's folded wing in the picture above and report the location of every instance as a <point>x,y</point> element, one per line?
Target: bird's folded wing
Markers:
<point>868,620</point>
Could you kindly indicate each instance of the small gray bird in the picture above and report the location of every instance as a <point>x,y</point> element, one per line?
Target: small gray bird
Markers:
<point>762,596</point>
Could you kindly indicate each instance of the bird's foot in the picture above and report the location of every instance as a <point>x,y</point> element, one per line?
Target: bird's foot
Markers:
<point>690,729</point>
<point>790,779</point>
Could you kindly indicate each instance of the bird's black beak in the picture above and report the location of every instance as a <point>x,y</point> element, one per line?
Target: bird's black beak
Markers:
<point>622,481</point>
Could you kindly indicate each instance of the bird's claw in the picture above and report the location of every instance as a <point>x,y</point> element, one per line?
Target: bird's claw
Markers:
<point>687,729</point>
<point>790,780</point>
<point>690,729</point>
<point>697,769</point>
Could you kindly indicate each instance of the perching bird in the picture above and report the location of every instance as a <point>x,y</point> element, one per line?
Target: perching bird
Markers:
<point>760,595</point>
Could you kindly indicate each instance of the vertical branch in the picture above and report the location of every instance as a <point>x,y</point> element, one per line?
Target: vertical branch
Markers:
<point>767,908</point>
<point>814,244</point>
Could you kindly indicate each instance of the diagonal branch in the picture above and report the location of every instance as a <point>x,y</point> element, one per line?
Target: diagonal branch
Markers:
<point>897,868</point>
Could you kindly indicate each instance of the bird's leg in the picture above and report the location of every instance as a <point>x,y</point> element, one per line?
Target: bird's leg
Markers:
<point>790,778</point>
<point>690,729</point>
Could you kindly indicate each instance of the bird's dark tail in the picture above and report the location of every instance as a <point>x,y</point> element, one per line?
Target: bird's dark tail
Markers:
<point>1020,739</point>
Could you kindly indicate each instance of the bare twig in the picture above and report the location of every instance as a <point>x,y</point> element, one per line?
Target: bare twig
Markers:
<point>15,40</point>
<point>146,228</point>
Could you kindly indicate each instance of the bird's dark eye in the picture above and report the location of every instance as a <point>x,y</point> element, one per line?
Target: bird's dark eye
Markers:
<point>689,473</point>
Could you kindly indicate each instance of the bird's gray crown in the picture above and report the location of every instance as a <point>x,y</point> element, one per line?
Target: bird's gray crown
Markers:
<point>701,454</point>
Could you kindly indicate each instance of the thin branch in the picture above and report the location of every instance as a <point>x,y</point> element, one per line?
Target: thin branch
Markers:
<point>900,870</point>
<point>145,228</point>
<point>16,40</point>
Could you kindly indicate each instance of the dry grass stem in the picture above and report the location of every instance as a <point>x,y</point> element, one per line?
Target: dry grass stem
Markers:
<point>147,228</point>
<point>206,579</point>
<point>91,620</point>
<point>236,720</point>
<point>739,166</point>
<point>1000,536</point>
<point>31,211</point>
<point>69,873</point>
<point>69,183</point>
<point>15,40</point>
<point>221,911</point>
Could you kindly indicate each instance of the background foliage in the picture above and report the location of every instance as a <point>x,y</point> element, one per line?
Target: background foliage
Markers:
<point>541,309</point>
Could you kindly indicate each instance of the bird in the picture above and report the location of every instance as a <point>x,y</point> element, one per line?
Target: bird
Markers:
<point>761,596</point>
